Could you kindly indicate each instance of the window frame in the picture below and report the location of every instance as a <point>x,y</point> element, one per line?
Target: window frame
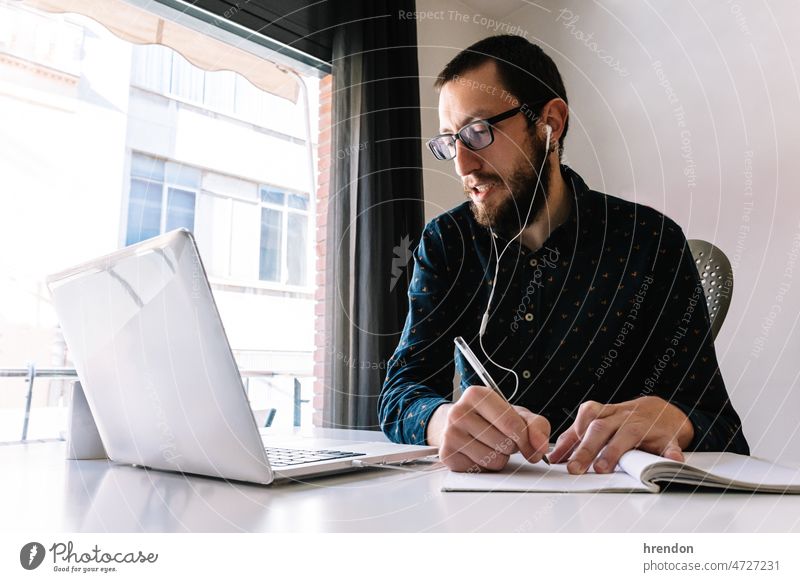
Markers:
<point>165,186</point>
<point>285,209</point>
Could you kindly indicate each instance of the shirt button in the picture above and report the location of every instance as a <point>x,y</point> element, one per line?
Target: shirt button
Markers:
<point>529,317</point>
<point>526,374</point>
<point>534,262</point>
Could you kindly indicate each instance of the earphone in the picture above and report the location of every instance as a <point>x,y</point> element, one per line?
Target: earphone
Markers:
<point>485,318</point>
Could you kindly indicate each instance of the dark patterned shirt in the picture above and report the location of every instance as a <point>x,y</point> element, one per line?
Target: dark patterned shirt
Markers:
<point>609,309</point>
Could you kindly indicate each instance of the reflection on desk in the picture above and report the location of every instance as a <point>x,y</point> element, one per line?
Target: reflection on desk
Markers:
<point>50,493</point>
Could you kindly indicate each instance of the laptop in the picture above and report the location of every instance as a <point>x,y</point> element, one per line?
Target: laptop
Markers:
<point>161,381</point>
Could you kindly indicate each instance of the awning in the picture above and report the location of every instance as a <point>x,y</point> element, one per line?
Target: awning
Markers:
<point>139,26</point>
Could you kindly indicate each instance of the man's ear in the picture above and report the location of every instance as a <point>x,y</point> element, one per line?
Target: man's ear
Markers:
<point>555,114</point>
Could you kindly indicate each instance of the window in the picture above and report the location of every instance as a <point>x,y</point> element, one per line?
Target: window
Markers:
<point>284,237</point>
<point>162,197</point>
<point>148,142</point>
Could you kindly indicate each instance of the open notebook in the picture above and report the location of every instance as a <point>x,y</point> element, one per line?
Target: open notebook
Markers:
<point>637,472</point>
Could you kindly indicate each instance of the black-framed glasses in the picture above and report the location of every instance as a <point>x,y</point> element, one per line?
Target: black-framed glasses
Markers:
<point>476,135</point>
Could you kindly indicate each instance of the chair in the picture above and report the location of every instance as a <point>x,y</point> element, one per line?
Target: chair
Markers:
<point>716,275</point>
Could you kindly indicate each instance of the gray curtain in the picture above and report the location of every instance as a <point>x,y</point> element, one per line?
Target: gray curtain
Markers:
<point>375,209</point>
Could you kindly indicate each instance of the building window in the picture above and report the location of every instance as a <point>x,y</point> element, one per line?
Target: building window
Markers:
<point>283,255</point>
<point>163,197</point>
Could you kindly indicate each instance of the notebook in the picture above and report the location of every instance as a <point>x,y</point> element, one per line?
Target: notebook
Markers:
<point>637,472</point>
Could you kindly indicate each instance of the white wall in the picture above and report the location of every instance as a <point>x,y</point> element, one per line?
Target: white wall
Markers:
<point>441,35</point>
<point>708,136</point>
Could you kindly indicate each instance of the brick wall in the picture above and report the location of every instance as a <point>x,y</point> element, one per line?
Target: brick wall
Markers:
<point>323,183</point>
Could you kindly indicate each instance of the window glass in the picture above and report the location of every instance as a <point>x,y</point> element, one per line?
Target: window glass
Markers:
<point>270,257</point>
<point>273,196</point>
<point>299,201</point>
<point>180,209</point>
<point>296,248</point>
<point>147,167</point>
<point>144,211</point>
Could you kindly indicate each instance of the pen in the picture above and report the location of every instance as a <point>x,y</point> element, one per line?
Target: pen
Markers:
<point>483,374</point>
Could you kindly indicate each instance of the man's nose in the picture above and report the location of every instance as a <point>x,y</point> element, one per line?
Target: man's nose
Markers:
<point>466,160</point>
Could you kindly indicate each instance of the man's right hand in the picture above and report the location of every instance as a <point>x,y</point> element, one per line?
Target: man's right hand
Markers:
<point>481,430</point>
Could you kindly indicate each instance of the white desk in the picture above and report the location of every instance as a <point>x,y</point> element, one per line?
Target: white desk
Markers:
<point>40,491</point>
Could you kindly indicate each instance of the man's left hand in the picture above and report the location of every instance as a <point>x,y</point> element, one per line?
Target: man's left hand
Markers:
<point>603,432</point>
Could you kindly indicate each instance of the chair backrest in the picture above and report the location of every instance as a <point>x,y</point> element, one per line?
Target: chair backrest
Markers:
<point>716,276</point>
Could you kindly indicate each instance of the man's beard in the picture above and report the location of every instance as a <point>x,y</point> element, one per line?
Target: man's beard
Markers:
<point>507,216</point>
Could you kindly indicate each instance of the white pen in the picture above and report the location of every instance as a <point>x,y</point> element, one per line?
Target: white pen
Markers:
<point>482,373</point>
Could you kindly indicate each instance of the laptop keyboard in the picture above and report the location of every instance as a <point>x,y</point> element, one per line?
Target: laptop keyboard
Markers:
<point>279,457</point>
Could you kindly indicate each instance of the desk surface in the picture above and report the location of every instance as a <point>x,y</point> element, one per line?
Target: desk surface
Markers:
<point>41,491</point>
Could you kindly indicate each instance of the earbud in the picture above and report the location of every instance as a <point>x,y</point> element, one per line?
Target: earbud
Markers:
<point>549,131</point>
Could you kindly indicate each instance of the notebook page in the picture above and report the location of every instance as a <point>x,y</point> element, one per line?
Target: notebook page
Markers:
<point>749,471</point>
<point>520,475</point>
<point>636,462</point>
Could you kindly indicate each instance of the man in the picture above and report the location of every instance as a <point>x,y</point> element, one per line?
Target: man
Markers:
<point>598,331</point>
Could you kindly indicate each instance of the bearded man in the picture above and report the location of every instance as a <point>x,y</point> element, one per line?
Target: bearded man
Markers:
<point>585,308</point>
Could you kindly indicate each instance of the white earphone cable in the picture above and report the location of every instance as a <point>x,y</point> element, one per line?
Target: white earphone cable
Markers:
<point>499,256</point>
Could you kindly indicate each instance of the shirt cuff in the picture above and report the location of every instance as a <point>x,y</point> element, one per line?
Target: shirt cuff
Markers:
<point>417,416</point>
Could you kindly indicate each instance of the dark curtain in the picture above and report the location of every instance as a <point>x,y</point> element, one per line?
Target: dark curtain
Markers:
<point>375,211</point>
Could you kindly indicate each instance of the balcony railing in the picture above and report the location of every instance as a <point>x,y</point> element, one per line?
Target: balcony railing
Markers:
<point>31,373</point>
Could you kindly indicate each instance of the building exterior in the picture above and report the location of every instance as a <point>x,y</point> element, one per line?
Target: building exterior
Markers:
<point>105,143</point>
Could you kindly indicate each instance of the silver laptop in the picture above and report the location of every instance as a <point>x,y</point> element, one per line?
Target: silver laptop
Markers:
<point>160,379</point>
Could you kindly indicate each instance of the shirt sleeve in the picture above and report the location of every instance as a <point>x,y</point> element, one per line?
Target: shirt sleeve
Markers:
<point>419,374</point>
<point>681,364</point>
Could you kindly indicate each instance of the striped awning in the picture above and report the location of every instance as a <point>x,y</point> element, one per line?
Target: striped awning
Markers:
<point>139,26</point>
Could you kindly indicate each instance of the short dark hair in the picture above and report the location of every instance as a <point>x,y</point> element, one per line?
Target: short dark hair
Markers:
<point>526,71</point>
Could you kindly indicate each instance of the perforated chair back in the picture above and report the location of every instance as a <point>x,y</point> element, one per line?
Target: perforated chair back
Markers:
<point>716,275</point>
